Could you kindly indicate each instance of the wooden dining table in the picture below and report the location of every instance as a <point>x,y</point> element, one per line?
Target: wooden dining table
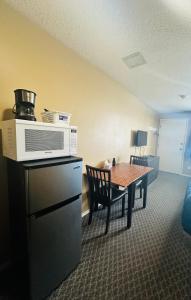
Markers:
<point>126,175</point>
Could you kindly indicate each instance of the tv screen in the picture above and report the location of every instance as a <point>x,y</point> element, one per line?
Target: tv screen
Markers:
<point>141,138</point>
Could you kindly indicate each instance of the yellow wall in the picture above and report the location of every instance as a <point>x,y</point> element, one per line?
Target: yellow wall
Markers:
<point>104,110</point>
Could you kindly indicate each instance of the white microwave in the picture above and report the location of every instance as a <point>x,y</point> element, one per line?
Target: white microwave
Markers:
<point>28,140</point>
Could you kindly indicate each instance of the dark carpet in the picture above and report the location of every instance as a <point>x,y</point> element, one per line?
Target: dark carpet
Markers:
<point>152,260</point>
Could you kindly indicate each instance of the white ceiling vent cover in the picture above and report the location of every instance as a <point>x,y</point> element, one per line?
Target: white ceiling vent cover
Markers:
<point>134,60</point>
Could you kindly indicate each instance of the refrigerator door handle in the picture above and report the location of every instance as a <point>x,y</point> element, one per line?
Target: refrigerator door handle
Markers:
<point>55,207</point>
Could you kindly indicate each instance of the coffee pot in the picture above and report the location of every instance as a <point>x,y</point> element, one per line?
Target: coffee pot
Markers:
<point>24,104</point>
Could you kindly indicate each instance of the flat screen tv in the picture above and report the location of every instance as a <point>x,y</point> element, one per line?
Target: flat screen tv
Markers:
<point>141,138</point>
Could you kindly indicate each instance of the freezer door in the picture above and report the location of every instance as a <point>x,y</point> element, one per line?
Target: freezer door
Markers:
<point>54,247</point>
<point>51,185</point>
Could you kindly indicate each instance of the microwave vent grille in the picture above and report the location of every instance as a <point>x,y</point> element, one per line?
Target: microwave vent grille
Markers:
<point>43,140</point>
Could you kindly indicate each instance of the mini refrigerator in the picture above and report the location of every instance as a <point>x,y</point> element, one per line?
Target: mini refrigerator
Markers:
<point>45,214</point>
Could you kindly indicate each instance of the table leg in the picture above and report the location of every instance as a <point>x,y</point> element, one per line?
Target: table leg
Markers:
<point>131,193</point>
<point>145,183</point>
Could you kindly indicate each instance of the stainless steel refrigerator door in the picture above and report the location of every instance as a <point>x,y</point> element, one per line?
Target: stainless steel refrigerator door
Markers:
<point>54,247</point>
<point>50,185</point>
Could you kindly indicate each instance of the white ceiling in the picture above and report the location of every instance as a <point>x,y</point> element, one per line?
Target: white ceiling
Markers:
<point>105,31</point>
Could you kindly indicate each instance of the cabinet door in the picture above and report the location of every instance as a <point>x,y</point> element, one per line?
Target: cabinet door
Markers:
<point>54,247</point>
<point>51,185</point>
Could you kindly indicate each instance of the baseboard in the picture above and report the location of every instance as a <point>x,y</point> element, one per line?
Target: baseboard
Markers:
<point>86,212</point>
<point>186,175</point>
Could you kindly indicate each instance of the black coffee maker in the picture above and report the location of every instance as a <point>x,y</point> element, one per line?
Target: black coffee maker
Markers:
<point>24,104</point>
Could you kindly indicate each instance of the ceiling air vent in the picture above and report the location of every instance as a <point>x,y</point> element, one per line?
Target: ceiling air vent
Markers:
<point>134,60</point>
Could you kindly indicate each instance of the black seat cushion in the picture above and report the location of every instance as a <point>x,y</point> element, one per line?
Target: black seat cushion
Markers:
<point>116,194</point>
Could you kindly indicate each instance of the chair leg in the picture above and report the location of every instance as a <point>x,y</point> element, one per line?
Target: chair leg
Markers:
<point>133,203</point>
<point>141,191</point>
<point>123,207</point>
<point>96,206</point>
<point>91,212</point>
<point>108,219</point>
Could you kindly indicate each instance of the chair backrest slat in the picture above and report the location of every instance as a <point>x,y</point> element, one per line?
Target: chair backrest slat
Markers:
<point>99,181</point>
<point>138,160</point>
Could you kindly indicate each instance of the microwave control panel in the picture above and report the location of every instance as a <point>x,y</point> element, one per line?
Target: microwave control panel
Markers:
<point>73,140</point>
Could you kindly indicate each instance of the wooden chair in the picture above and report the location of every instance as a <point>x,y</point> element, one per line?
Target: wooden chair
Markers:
<point>102,192</point>
<point>141,161</point>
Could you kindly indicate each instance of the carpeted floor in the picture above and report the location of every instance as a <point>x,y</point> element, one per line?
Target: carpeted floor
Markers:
<point>149,261</point>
